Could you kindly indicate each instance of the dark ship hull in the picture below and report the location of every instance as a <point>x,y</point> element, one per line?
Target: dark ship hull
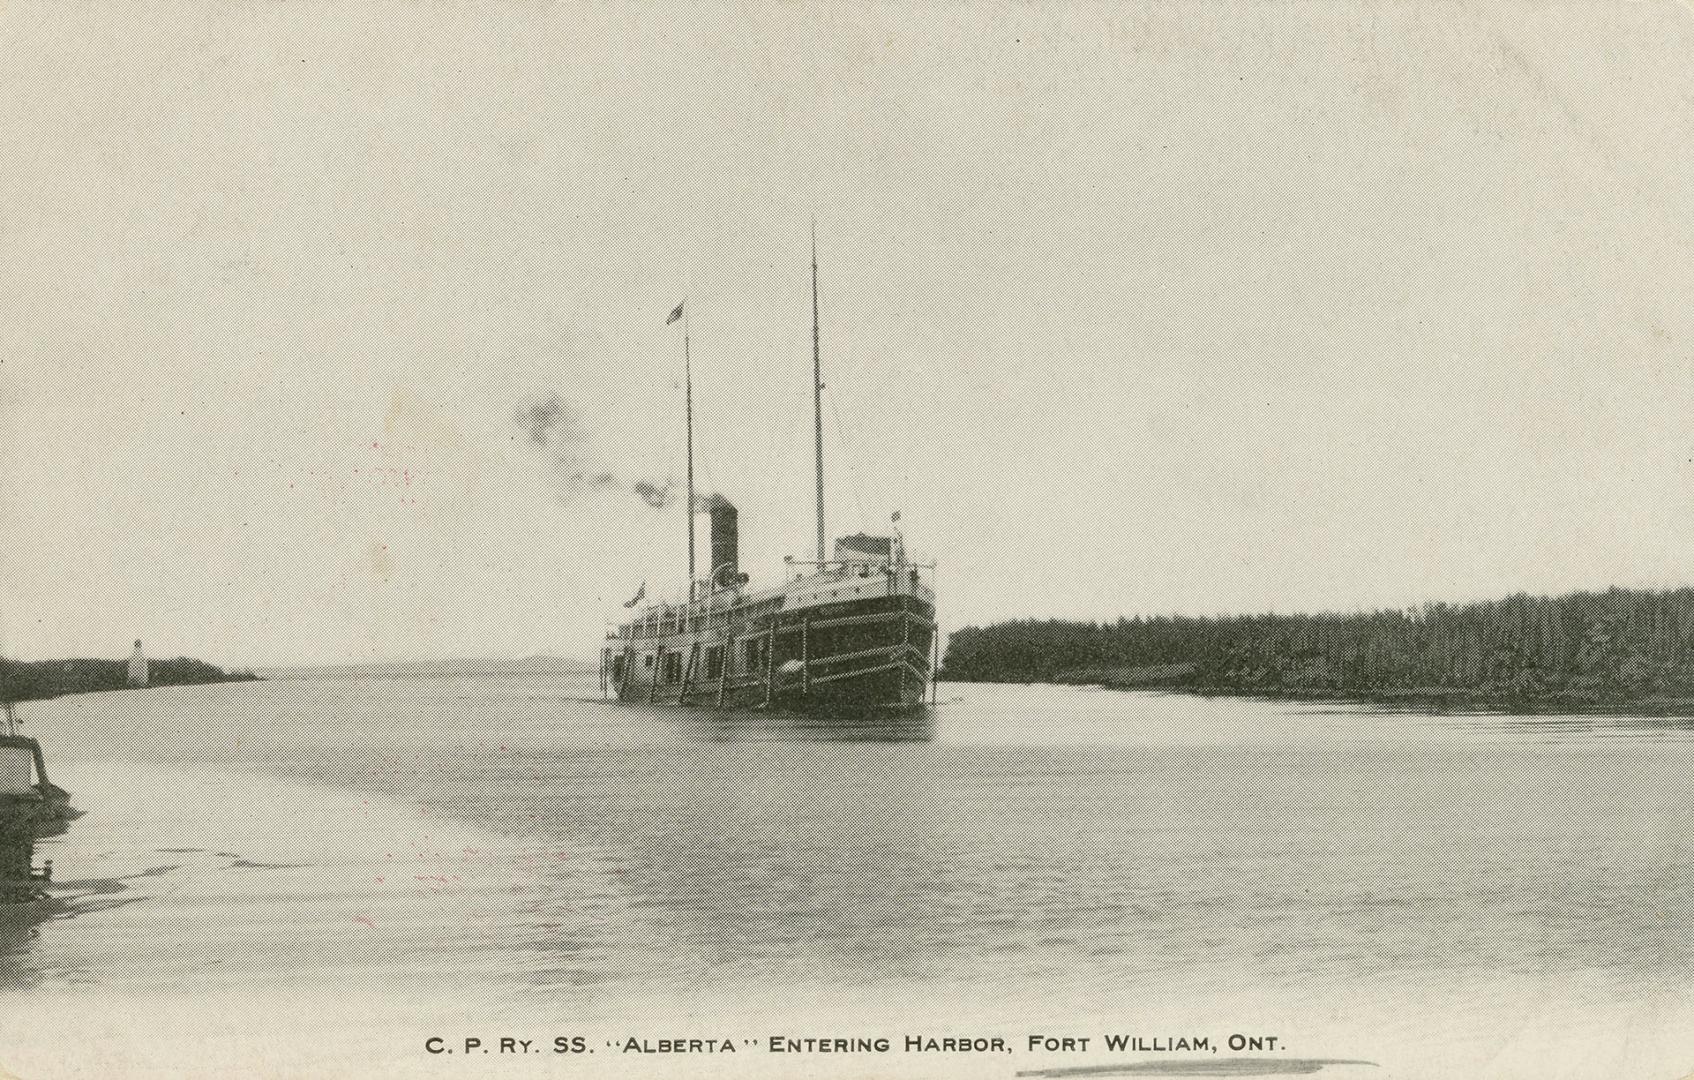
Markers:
<point>854,640</point>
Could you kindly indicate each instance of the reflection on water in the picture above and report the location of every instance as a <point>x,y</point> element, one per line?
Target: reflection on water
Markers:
<point>20,881</point>
<point>890,726</point>
<point>24,902</point>
<point>1018,855</point>
<point>20,828</point>
<point>1601,727</point>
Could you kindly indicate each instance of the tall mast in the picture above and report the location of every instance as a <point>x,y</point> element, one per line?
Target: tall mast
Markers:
<point>817,387</point>
<point>688,398</point>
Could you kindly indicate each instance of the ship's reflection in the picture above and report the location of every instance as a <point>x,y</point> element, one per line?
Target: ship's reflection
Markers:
<point>729,725</point>
<point>24,900</point>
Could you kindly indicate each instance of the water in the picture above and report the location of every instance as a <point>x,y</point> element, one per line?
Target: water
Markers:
<point>312,875</point>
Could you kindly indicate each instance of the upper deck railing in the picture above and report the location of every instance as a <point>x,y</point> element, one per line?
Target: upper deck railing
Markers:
<point>713,604</point>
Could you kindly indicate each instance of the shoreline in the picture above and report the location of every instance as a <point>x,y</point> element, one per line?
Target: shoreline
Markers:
<point>1436,700</point>
<point>43,680</point>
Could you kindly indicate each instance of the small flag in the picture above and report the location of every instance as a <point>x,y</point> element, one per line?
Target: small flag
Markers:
<point>675,315</point>
<point>636,599</point>
<point>895,516</point>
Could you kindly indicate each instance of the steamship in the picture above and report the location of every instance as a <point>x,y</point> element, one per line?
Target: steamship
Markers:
<point>848,633</point>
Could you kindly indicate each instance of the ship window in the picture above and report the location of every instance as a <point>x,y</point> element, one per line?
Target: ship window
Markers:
<point>714,662</point>
<point>647,661</point>
<point>617,669</point>
<point>753,654</point>
<point>673,667</point>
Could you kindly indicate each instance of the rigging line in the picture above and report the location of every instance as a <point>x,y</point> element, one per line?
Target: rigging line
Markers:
<point>782,433</point>
<point>702,462</point>
<point>703,465</point>
<point>848,456</point>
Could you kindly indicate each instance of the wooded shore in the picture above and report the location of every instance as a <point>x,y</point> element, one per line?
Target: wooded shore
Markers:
<point>35,680</point>
<point>1626,651</point>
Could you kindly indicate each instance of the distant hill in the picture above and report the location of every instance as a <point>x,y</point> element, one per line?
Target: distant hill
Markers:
<point>1622,649</point>
<point>33,680</point>
<point>433,668</point>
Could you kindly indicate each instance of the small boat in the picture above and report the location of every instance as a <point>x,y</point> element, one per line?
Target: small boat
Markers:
<point>847,631</point>
<point>28,799</point>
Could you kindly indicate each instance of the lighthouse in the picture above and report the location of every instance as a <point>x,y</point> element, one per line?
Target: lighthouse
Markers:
<point>137,666</point>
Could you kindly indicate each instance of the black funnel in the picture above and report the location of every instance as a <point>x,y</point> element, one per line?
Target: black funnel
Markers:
<point>725,540</point>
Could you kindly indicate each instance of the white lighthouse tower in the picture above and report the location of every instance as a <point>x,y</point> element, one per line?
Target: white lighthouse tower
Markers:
<point>137,666</point>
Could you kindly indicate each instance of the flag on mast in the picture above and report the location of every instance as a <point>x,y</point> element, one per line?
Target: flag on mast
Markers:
<point>676,314</point>
<point>636,599</point>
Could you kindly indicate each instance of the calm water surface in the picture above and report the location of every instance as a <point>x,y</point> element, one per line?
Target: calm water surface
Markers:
<point>313,874</point>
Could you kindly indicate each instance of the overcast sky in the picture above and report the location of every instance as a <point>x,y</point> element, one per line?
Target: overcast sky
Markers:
<point>1192,309</point>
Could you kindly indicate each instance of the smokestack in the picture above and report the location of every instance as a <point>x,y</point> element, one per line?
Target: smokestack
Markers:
<point>725,541</point>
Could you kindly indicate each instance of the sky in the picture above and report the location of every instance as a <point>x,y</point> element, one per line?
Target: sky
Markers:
<point>1200,308</point>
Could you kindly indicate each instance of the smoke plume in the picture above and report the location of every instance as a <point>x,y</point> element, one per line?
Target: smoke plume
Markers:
<point>658,496</point>
<point>554,429</point>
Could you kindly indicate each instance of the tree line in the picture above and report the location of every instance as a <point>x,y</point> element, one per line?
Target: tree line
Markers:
<point>32,680</point>
<point>1585,646</point>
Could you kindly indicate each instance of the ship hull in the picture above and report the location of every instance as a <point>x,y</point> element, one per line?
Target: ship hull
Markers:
<point>828,654</point>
